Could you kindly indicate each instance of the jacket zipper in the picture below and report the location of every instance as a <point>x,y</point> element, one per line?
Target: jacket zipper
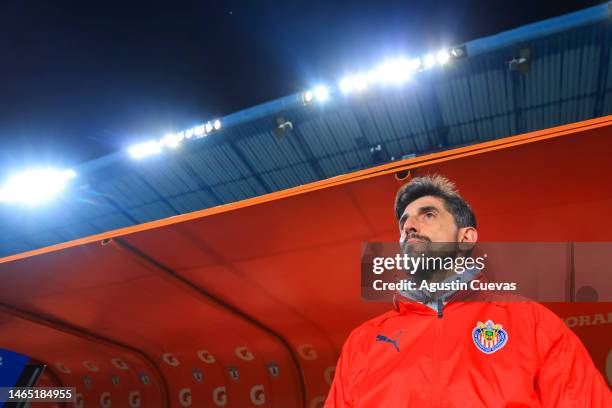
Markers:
<point>436,362</point>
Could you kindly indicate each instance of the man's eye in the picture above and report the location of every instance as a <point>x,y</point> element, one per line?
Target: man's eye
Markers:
<point>429,215</point>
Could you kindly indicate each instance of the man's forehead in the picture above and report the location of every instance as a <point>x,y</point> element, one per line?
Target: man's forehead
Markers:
<point>425,201</point>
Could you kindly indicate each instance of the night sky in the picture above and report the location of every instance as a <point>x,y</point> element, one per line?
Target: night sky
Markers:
<point>80,80</point>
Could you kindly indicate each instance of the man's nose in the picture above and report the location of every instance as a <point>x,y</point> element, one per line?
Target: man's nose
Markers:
<point>410,226</point>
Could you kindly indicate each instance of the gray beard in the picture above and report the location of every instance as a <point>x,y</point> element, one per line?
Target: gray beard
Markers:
<point>431,250</point>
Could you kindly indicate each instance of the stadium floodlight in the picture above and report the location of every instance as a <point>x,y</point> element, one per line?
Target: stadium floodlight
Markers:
<point>199,130</point>
<point>442,56</point>
<point>346,85</point>
<point>429,61</point>
<point>397,71</point>
<point>415,64</point>
<point>357,83</point>
<point>35,186</point>
<point>172,139</point>
<point>307,96</point>
<point>321,93</point>
<point>360,82</point>
<point>372,76</point>
<point>145,149</point>
<point>459,52</point>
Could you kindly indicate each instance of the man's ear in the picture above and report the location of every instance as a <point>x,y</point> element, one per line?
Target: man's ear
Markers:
<point>467,237</point>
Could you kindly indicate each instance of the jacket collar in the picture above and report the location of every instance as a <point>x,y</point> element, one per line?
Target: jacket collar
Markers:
<point>425,296</point>
<point>404,304</point>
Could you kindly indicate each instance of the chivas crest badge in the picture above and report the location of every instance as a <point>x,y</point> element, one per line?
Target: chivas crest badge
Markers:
<point>489,337</point>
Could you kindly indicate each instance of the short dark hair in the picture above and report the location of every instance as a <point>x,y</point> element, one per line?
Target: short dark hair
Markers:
<point>436,186</point>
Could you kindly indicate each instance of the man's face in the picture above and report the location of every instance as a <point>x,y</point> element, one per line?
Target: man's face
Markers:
<point>428,229</point>
<point>426,220</point>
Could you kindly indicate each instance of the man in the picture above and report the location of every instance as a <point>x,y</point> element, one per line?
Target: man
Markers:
<point>443,351</point>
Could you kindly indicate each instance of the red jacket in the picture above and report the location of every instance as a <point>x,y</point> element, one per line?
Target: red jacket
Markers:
<point>415,357</point>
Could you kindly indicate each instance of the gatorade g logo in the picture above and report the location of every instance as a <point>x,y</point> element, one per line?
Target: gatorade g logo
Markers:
<point>117,362</point>
<point>170,360</point>
<point>63,368</point>
<point>78,402</point>
<point>197,375</point>
<point>134,398</point>
<point>105,401</point>
<point>307,352</point>
<point>206,357</point>
<point>244,353</point>
<point>185,397</point>
<point>233,373</point>
<point>257,395</point>
<point>90,366</point>
<point>273,369</point>
<point>329,374</point>
<point>220,396</point>
<point>145,379</point>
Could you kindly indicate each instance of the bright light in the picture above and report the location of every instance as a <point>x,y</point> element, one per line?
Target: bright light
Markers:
<point>322,93</point>
<point>415,64</point>
<point>372,76</point>
<point>145,149</point>
<point>458,52</point>
<point>429,61</point>
<point>308,95</point>
<point>396,71</point>
<point>355,83</point>
<point>442,57</point>
<point>173,139</point>
<point>346,85</point>
<point>35,186</point>
<point>360,82</point>
<point>199,130</point>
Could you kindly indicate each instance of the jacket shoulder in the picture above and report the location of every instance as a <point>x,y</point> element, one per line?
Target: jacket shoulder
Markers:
<point>365,329</point>
<point>375,322</point>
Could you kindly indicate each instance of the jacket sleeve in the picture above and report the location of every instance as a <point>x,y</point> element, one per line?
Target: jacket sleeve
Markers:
<point>342,391</point>
<point>567,376</point>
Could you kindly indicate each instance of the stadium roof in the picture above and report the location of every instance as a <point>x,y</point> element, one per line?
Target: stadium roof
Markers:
<point>534,77</point>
